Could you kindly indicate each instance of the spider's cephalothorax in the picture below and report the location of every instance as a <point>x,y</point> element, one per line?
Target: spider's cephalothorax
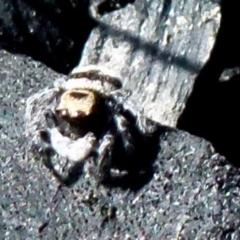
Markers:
<point>83,118</point>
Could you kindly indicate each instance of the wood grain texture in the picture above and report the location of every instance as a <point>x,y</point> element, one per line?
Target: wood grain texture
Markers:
<point>158,48</point>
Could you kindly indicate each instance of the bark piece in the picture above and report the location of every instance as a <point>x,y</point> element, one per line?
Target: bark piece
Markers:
<point>158,47</point>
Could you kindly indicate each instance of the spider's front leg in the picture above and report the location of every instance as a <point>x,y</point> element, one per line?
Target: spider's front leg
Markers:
<point>125,132</point>
<point>128,104</point>
<point>104,156</point>
<point>73,150</point>
<point>122,124</point>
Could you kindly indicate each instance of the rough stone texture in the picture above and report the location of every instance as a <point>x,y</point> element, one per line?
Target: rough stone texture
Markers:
<point>193,194</point>
<point>158,47</point>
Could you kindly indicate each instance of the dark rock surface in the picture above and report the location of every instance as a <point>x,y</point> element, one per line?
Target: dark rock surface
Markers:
<point>193,193</point>
<point>53,32</point>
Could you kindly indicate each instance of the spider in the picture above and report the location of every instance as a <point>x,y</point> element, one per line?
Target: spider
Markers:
<point>85,117</point>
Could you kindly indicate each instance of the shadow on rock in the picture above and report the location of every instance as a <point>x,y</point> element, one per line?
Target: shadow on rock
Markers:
<point>48,31</point>
<point>212,109</point>
<point>140,168</point>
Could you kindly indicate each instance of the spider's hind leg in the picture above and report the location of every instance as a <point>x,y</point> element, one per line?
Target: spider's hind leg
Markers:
<point>104,157</point>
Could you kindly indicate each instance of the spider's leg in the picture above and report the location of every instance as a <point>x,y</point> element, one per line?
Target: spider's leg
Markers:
<point>51,122</point>
<point>138,113</point>
<point>124,130</point>
<point>104,157</point>
<point>51,118</point>
<point>121,96</point>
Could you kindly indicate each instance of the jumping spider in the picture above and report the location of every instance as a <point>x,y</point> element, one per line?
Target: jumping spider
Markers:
<point>84,117</point>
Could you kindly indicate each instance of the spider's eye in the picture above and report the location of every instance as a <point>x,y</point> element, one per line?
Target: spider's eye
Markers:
<point>78,95</point>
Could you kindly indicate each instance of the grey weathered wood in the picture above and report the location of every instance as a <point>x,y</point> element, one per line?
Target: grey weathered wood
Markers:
<point>158,47</point>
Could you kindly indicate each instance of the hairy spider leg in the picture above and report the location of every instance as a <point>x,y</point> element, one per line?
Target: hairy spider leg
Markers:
<point>104,156</point>
<point>124,130</point>
<point>122,125</point>
<point>128,104</point>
